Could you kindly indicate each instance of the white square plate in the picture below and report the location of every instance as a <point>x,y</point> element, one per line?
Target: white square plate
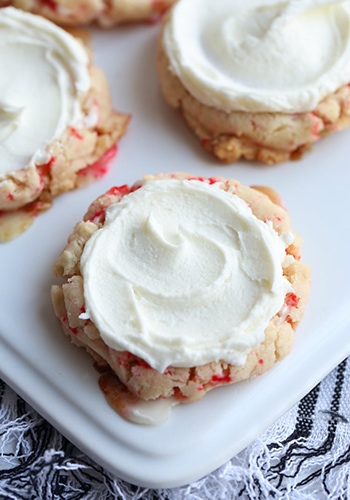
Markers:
<point>59,380</point>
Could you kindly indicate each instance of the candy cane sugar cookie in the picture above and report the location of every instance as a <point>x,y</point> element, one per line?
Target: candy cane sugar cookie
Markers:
<point>57,125</point>
<point>260,80</point>
<point>106,13</point>
<point>178,285</point>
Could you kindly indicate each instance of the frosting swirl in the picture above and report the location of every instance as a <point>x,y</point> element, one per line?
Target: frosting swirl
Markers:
<point>260,55</point>
<point>44,71</point>
<point>182,273</point>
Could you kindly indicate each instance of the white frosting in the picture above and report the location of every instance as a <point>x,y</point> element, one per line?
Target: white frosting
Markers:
<point>182,273</point>
<point>44,71</point>
<point>260,55</point>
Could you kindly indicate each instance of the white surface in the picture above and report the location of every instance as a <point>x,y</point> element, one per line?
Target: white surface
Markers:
<point>58,379</point>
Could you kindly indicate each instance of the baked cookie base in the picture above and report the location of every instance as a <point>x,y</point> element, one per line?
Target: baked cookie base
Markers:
<point>106,13</point>
<point>184,384</point>
<point>269,138</point>
<point>76,158</point>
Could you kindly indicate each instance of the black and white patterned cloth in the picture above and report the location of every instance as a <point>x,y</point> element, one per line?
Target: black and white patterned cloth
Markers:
<point>304,455</point>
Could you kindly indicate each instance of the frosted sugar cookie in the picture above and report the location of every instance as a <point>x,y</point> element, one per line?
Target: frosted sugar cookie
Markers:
<point>106,13</point>
<point>57,125</point>
<point>258,80</point>
<point>181,284</point>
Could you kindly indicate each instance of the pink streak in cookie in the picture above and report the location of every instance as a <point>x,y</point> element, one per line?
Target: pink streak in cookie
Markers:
<point>50,4</point>
<point>65,321</point>
<point>208,180</point>
<point>44,170</point>
<point>98,216</point>
<point>316,127</point>
<point>292,300</point>
<point>76,133</point>
<point>100,167</point>
<point>143,364</point>
<point>221,378</point>
<point>123,190</point>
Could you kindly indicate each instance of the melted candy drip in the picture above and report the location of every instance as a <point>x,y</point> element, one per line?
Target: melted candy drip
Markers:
<point>13,224</point>
<point>131,407</point>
